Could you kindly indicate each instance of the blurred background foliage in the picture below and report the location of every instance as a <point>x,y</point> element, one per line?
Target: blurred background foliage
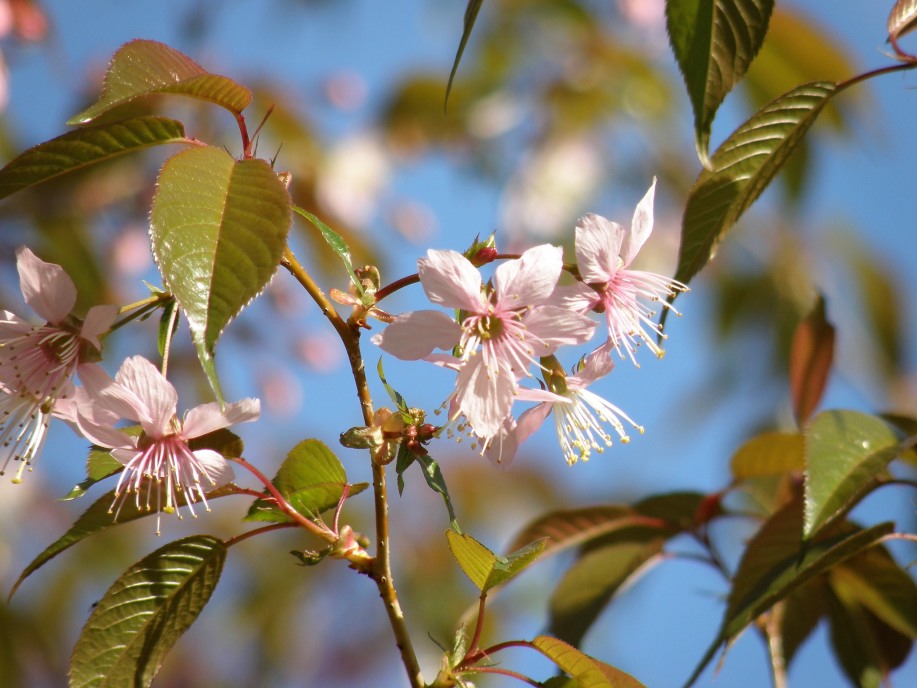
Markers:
<point>560,107</point>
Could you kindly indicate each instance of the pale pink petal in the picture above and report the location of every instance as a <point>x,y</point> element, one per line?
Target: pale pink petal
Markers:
<point>98,321</point>
<point>206,418</point>
<point>158,395</point>
<point>598,245</point>
<point>219,470</point>
<point>530,279</point>
<point>501,449</point>
<point>532,419</point>
<point>641,227</point>
<point>416,334</point>
<point>484,398</point>
<point>449,279</point>
<point>95,424</point>
<point>579,297</point>
<point>555,327</point>
<point>45,286</point>
<point>598,364</point>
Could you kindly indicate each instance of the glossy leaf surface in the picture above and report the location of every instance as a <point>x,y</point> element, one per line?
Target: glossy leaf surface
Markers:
<point>311,478</point>
<point>775,563</point>
<point>740,170</point>
<point>486,569</point>
<point>903,18</point>
<point>845,451</point>
<point>83,147</point>
<point>218,228</point>
<point>335,241</point>
<point>586,671</point>
<point>714,41</point>
<point>144,67</point>
<point>141,616</point>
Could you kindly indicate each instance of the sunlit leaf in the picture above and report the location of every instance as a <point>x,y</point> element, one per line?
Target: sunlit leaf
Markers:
<point>741,168</point>
<point>100,516</point>
<point>311,478</point>
<point>714,41</point>
<point>83,147</point>
<point>585,670</point>
<point>475,559</point>
<point>471,15</point>
<point>811,355</point>
<point>335,242</point>
<point>592,581</point>
<point>776,562</point>
<point>100,464</point>
<point>218,228</point>
<point>148,608</point>
<point>902,19</point>
<point>144,67</point>
<point>770,453</point>
<point>845,451</point>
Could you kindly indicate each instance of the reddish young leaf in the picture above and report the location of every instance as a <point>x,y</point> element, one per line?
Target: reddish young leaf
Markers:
<point>811,355</point>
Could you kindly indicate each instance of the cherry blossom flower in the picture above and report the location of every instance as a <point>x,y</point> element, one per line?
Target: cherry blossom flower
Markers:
<point>604,253</point>
<point>580,416</point>
<point>38,362</point>
<point>503,328</point>
<point>159,466</point>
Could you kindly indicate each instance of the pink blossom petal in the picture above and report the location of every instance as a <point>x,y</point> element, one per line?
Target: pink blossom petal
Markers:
<point>553,327</point>
<point>641,227</point>
<point>598,364</point>
<point>449,279</point>
<point>598,245</point>
<point>532,419</point>
<point>579,297</point>
<point>484,397</point>
<point>95,423</point>
<point>501,449</point>
<point>530,279</point>
<point>157,394</point>
<point>219,470</point>
<point>416,334</point>
<point>98,321</point>
<point>206,418</point>
<point>47,289</point>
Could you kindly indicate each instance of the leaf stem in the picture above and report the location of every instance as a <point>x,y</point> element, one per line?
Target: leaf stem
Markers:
<point>381,569</point>
<point>774,637</point>
<point>257,531</point>
<point>841,85</point>
<point>507,672</point>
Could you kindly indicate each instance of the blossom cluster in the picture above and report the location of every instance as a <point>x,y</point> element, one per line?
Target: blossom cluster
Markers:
<point>509,329</point>
<point>38,364</point>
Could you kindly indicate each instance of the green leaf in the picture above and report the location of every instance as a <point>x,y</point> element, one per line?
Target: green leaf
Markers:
<point>100,464</point>
<point>770,453</point>
<point>866,649</point>
<point>100,516</point>
<point>336,243</point>
<point>845,451</point>
<point>471,15</point>
<point>902,19</point>
<point>741,168</point>
<point>776,562</point>
<point>394,394</point>
<point>436,482</point>
<point>811,355</point>
<point>588,585</point>
<point>143,67</point>
<point>140,617</point>
<point>475,559</point>
<point>585,670</point>
<point>311,478</point>
<point>876,581</point>
<point>218,228</point>
<point>486,569</point>
<point>714,41</point>
<point>77,149</point>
